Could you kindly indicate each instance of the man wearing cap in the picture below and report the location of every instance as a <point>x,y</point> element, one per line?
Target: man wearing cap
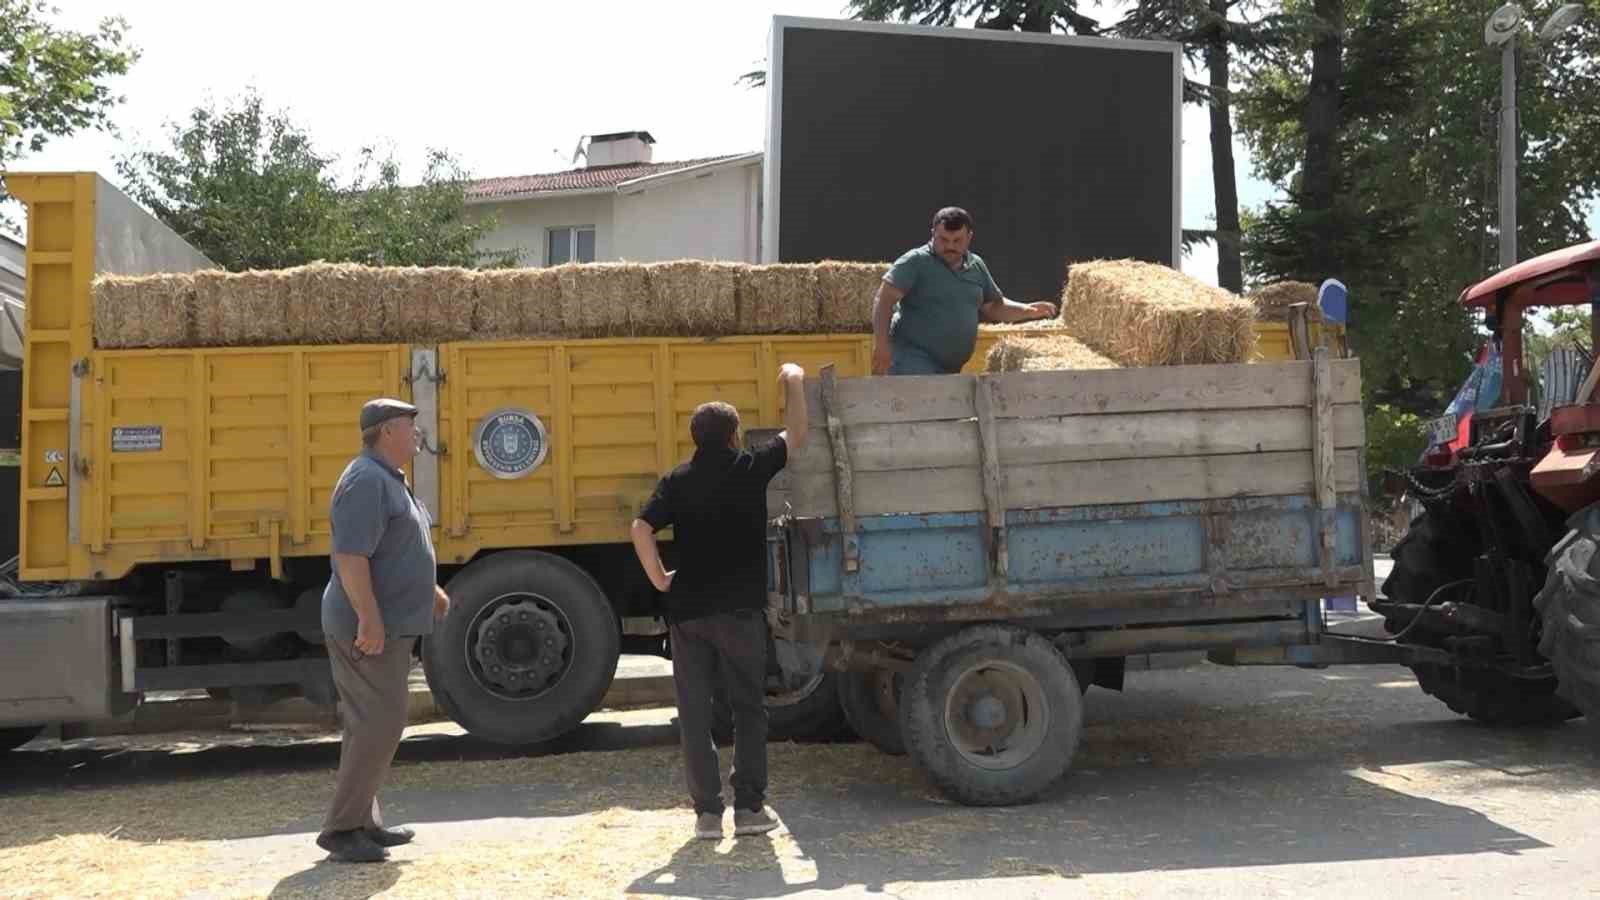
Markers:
<point>926,313</point>
<point>381,598</point>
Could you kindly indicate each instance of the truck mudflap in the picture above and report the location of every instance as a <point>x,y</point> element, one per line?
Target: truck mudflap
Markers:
<point>59,661</point>
<point>1331,650</point>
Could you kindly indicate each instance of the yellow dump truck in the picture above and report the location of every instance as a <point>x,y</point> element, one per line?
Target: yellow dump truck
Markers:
<point>174,502</point>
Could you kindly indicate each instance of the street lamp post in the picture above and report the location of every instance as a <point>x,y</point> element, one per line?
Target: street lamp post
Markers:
<point>1501,31</point>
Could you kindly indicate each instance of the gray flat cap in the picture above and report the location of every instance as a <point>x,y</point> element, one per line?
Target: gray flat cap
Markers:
<point>376,412</point>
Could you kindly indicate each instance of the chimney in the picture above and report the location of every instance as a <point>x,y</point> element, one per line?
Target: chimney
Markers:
<point>622,148</point>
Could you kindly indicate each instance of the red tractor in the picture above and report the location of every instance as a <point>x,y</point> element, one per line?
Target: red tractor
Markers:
<point>1501,568</point>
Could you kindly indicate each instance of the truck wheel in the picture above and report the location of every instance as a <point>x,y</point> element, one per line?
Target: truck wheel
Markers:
<point>528,650</point>
<point>1569,607</point>
<point>993,714</point>
<point>871,704</point>
<point>13,737</point>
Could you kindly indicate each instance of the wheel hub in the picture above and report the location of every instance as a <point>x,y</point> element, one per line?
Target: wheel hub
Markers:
<point>996,716</point>
<point>521,646</point>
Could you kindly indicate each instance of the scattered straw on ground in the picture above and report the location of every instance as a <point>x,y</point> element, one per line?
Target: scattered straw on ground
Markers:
<point>1042,352</point>
<point>1143,314</point>
<point>1273,301</point>
<point>101,865</point>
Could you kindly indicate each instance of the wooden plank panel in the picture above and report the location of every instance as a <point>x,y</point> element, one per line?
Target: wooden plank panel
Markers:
<point>954,442</point>
<point>1033,394</point>
<point>960,489</point>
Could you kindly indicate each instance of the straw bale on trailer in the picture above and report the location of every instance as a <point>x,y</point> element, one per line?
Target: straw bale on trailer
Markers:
<point>143,310</point>
<point>689,298</point>
<point>1273,301</point>
<point>426,305</point>
<point>597,299</point>
<point>778,299</point>
<point>515,303</point>
<point>1143,314</point>
<point>846,290</point>
<point>1042,351</point>
<point>242,309</point>
<point>334,303</point>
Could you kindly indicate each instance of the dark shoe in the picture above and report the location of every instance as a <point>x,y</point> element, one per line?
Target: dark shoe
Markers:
<point>760,821</point>
<point>351,846</point>
<point>708,827</point>
<point>391,837</point>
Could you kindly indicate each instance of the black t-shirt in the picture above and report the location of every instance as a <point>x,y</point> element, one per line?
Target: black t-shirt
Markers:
<point>716,505</point>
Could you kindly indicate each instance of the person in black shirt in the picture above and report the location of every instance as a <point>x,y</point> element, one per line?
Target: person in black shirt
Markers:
<point>716,599</point>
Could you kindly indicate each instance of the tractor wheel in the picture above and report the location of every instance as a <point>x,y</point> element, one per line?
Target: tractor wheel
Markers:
<point>1435,552</point>
<point>1570,609</point>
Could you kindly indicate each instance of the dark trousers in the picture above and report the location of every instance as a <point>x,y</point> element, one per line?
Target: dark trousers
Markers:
<point>726,650</point>
<point>373,694</point>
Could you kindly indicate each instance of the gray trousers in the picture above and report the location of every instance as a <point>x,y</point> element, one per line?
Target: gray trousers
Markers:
<point>373,697</point>
<point>726,651</point>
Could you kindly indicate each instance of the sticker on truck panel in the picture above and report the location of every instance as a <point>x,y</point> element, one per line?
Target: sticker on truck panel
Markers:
<point>135,438</point>
<point>510,443</point>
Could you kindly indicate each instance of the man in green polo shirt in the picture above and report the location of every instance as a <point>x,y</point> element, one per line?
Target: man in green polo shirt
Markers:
<point>926,314</point>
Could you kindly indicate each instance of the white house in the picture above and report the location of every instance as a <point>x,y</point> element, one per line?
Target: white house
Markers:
<point>622,205</point>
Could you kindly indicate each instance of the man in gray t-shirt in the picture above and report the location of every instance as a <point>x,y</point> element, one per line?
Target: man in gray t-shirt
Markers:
<point>926,313</point>
<point>381,597</point>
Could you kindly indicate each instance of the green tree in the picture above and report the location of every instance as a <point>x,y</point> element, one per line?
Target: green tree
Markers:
<point>247,187</point>
<point>1401,204</point>
<point>54,81</point>
<point>1215,32</point>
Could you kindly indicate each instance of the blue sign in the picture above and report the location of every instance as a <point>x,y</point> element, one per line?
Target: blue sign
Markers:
<point>510,443</point>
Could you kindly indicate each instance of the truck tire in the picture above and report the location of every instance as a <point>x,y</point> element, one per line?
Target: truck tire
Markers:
<point>993,714</point>
<point>1434,552</point>
<point>528,650</point>
<point>1569,607</point>
<point>14,736</point>
<point>871,704</point>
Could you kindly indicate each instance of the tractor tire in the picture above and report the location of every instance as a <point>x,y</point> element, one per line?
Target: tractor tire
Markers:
<point>14,736</point>
<point>871,704</point>
<point>1433,553</point>
<point>528,650</point>
<point>1493,697</point>
<point>993,714</point>
<point>1569,606</point>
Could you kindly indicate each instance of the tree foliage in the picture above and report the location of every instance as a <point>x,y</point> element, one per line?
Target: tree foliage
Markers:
<point>247,187</point>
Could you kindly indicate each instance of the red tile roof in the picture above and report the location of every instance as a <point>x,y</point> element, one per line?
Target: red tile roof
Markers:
<point>587,179</point>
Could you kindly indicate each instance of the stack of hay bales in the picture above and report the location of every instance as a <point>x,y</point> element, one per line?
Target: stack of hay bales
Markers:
<point>690,298</point>
<point>517,303</point>
<point>1143,314</point>
<point>1273,301</point>
<point>145,311</point>
<point>846,291</point>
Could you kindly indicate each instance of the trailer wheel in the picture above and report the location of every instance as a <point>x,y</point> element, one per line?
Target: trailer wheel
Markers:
<point>871,704</point>
<point>15,736</point>
<point>993,714</point>
<point>1569,606</point>
<point>528,650</point>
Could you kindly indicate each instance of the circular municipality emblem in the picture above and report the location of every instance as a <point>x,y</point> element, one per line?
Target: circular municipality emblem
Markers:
<point>510,443</point>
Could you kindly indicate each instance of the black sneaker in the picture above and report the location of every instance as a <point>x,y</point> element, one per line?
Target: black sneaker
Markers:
<point>758,821</point>
<point>351,846</point>
<point>391,837</point>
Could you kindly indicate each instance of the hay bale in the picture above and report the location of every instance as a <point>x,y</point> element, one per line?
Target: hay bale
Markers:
<point>597,299</point>
<point>143,310</point>
<point>514,303</point>
<point>242,309</point>
<point>333,304</point>
<point>1273,301</point>
<point>1143,314</point>
<point>778,299</point>
<point>1042,351</point>
<point>846,290</point>
<point>689,298</point>
<point>431,305</point>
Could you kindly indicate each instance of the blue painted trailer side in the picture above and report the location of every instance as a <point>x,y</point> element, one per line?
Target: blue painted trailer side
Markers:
<point>1254,546</point>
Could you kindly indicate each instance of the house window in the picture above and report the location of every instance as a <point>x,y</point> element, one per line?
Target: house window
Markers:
<point>570,245</point>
